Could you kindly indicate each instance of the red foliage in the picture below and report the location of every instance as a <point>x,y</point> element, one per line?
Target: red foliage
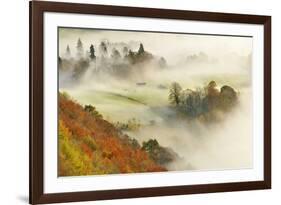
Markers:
<point>114,150</point>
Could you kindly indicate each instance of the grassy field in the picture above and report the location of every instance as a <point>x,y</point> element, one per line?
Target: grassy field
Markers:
<point>125,104</point>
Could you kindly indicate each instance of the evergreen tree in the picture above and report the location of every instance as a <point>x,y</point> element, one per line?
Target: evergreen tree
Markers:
<point>141,49</point>
<point>131,56</point>
<point>79,48</point>
<point>92,52</point>
<point>68,52</point>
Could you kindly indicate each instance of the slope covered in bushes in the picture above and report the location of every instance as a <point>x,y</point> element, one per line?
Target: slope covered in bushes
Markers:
<point>89,145</point>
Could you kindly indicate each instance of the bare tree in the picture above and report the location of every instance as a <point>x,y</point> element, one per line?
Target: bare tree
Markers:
<point>175,93</point>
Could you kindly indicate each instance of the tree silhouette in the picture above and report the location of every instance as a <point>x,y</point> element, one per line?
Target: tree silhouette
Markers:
<point>67,52</point>
<point>92,52</point>
<point>212,95</point>
<point>162,62</point>
<point>228,97</point>
<point>175,93</point>
<point>212,89</point>
<point>115,54</point>
<point>79,48</point>
<point>141,49</point>
<point>103,48</point>
<point>125,50</point>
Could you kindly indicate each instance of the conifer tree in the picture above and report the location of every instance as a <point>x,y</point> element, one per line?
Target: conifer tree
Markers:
<point>68,52</point>
<point>79,48</point>
<point>141,49</point>
<point>92,52</point>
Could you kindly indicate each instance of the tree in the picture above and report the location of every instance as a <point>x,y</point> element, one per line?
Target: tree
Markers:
<point>131,56</point>
<point>141,49</point>
<point>228,97</point>
<point>175,93</point>
<point>80,68</point>
<point>103,48</point>
<point>212,95</point>
<point>162,62</point>
<point>125,50</point>
<point>92,52</point>
<point>115,54</point>
<point>157,153</point>
<point>212,89</point>
<point>79,48</point>
<point>67,52</point>
<point>194,104</point>
<point>130,53</point>
<point>92,110</point>
<point>150,145</point>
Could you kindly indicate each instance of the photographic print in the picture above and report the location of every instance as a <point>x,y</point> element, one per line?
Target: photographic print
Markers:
<point>137,101</point>
<point>130,102</point>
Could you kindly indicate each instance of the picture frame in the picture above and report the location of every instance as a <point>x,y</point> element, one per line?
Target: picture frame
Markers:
<point>37,104</point>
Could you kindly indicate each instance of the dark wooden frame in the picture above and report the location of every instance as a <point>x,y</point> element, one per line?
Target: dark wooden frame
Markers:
<point>37,9</point>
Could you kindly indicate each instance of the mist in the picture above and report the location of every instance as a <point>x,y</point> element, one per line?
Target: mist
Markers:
<point>140,91</point>
<point>227,145</point>
<point>174,47</point>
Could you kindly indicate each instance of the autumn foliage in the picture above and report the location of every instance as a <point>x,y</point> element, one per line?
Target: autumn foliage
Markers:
<point>89,145</point>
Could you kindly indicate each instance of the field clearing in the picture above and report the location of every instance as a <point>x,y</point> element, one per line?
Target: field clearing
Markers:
<point>134,103</point>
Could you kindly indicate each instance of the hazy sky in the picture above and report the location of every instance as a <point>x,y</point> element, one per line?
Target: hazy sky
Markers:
<point>161,44</point>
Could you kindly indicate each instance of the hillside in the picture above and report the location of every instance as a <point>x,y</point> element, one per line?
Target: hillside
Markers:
<point>89,145</point>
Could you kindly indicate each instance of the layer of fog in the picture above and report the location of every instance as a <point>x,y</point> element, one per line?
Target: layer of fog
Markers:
<point>223,145</point>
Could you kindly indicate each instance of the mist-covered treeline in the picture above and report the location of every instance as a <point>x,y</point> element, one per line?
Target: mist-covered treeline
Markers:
<point>203,102</point>
<point>115,60</point>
